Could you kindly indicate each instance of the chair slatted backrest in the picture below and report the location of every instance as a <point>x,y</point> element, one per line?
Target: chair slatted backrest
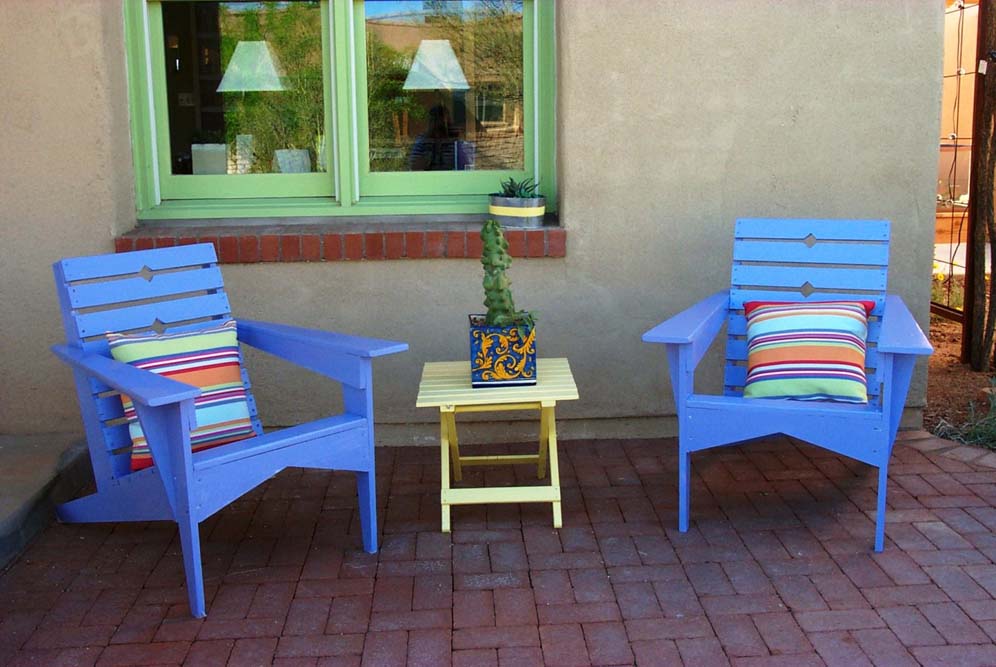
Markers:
<point>805,260</point>
<point>161,290</point>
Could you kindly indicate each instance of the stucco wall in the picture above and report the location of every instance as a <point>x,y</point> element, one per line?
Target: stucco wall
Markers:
<point>674,119</point>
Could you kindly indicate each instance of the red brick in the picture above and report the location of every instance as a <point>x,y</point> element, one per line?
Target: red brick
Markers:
<point>239,629</point>
<point>607,644</point>
<point>668,628</point>
<point>656,652</point>
<point>520,656</point>
<point>433,591</point>
<point>563,645</point>
<point>481,657</point>
<point>435,244</point>
<point>269,248</point>
<point>248,249</point>
<point>909,625</point>
<point>429,648</point>
<point>272,600</point>
<point>847,619</point>
<point>411,620</point>
<point>70,637</point>
<point>392,594</point>
<point>882,647</point>
<point>394,245</point>
<point>535,243</point>
<point>290,248</point>
<point>415,244</point>
<point>590,612</point>
<point>552,587</point>
<point>508,556</point>
<point>165,241</point>
<point>516,242</point>
<point>520,635</point>
<point>322,645</point>
<point>144,654</point>
<point>475,246</point>
<point>229,249</point>
<point>636,599</point>
<point>311,247</point>
<point>209,652</point>
<point>385,649</point>
<point>556,242</point>
<point>124,244</point>
<point>473,609</point>
<point>145,243</point>
<point>514,606</point>
<point>308,616</point>
<point>953,624</point>
<point>738,636</point>
<point>332,247</point>
<point>253,651</point>
<point>456,244</point>
<point>187,240</point>
<point>592,585</point>
<point>374,245</point>
<point>352,246</point>
<point>781,633</point>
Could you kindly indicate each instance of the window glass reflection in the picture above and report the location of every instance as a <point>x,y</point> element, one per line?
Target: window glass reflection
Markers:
<point>444,85</point>
<point>244,87</point>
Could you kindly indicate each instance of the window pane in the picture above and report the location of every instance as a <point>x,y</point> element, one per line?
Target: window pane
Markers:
<point>244,87</point>
<point>444,85</point>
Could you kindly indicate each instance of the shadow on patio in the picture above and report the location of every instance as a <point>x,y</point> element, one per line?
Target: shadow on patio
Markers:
<point>776,569</point>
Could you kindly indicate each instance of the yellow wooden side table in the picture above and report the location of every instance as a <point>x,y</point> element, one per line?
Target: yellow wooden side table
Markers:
<point>446,385</point>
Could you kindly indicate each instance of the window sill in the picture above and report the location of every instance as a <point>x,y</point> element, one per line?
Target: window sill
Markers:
<point>239,242</point>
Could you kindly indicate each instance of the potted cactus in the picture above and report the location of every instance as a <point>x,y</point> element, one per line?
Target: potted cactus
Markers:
<point>518,204</point>
<point>502,341</point>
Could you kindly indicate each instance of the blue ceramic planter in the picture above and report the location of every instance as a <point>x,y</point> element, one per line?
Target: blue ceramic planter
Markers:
<point>501,356</point>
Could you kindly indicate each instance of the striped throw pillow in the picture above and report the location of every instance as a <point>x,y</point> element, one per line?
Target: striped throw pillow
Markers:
<point>807,351</point>
<point>207,358</point>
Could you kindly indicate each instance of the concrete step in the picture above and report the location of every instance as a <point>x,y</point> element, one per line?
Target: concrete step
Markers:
<point>37,472</point>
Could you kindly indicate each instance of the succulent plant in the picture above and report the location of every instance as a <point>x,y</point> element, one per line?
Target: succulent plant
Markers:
<point>497,292</point>
<point>525,189</point>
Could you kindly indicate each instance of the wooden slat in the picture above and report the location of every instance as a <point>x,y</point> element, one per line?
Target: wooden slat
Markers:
<point>738,297</point>
<point>868,254</point>
<point>448,383</point>
<point>145,316</point>
<point>819,277</point>
<point>86,295</point>
<point>104,266</point>
<point>780,228</point>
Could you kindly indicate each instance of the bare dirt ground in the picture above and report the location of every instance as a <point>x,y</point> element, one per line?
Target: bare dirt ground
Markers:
<point>951,386</point>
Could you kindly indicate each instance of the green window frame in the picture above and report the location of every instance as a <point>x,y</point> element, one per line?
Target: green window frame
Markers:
<point>348,187</point>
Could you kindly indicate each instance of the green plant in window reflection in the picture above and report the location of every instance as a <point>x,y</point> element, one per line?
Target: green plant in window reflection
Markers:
<point>389,108</point>
<point>292,118</point>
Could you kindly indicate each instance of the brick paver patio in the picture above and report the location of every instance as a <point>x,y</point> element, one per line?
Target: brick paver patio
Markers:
<point>776,570</point>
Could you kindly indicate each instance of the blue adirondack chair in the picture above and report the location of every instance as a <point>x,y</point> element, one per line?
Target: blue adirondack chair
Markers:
<point>795,260</point>
<point>179,289</point>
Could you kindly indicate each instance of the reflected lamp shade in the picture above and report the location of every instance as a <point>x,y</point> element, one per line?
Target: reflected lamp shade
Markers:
<point>435,68</point>
<point>253,67</point>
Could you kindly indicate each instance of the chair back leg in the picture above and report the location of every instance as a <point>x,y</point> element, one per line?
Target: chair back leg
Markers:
<point>190,541</point>
<point>366,491</point>
<point>883,485</point>
<point>684,464</point>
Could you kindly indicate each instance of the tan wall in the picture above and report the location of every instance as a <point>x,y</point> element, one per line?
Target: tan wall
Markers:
<point>675,118</point>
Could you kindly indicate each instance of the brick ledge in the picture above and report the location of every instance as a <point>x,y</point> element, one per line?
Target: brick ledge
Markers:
<point>245,246</point>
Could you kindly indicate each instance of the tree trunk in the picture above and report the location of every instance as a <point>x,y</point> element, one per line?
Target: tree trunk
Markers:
<point>980,321</point>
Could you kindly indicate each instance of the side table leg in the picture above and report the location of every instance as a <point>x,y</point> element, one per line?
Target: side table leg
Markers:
<point>544,442</point>
<point>450,420</point>
<point>551,430</point>
<point>444,472</point>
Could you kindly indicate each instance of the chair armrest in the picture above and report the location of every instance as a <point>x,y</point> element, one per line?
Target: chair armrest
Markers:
<point>900,333</point>
<point>142,386</point>
<point>320,341</point>
<point>704,319</point>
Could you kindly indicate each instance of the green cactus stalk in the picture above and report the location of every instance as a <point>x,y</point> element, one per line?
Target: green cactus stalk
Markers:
<point>497,292</point>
